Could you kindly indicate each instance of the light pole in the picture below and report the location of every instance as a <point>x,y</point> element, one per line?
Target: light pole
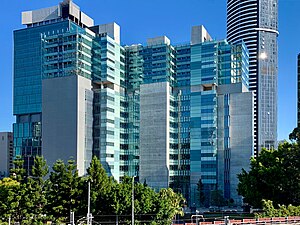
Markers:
<point>89,215</point>
<point>28,165</point>
<point>197,217</point>
<point>132,208</point>
<point>72,221</point>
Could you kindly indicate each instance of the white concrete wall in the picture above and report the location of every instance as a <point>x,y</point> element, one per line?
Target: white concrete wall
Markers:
<point>112,29</point>
<point>40,15</point>
<point>158,41</point>
<point>154,134</point>
<point>199,34</point>
<point>242,137</point>
<point>63,119</point>
<point>54,12</point>
<point>241,132</point>
<point>6,139</point>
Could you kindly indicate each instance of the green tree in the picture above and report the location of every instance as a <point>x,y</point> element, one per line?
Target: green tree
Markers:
<point>18,172</point>
<point>24,211</point>
<point>19,196</point>
<point>64,193</point>
<point>280,211</point>
<point>145,202</point>
<point>217,198</point>
<point>9,201</point>
<point>200,194</point>
<point>36,190</point>
<point>273,175</point>
<point>295,135</point>
<point>168,204</point>
<point>28,198</point>
<point>101,189</point>
<point>121,197</point>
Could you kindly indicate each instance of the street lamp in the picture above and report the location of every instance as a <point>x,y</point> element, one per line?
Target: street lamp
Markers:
<point>28,164</point>
<point>197,217</point>
<point>89,216</point>
<point>132,208</point>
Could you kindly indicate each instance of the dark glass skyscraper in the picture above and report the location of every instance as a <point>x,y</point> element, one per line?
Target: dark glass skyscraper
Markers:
<point>256,23</point>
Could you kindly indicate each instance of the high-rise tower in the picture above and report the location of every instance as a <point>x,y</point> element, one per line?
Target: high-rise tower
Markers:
<point>256,23</point>
<point>170,115</point>
<point>67,88</point>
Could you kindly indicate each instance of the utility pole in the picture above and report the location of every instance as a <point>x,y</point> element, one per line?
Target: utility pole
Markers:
<point>72,221</point>
<point>132,209</point>
<point>89,216</point>
<point>28,157</point>
<point>226,220</point>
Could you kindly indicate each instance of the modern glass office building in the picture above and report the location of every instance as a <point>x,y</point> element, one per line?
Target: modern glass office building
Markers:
<point>191,105</point>
<point>256,23</point>
<point>68,81</point>
<point>27,88</point>
<point>171,115</point>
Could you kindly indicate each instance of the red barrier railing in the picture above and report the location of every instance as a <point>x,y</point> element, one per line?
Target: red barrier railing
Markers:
<point>273,220</point>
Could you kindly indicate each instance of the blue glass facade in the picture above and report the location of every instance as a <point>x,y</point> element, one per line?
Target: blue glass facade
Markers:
<point>144,65</point>
<point>28,88</point>
<point>100,59</point>
<point>260,35</point>
<point>194,74</point>
<point>180,176</point>
<point>213,64</point>
<point>28,137</point>
<point>27,66</point>
<point>109,132</point>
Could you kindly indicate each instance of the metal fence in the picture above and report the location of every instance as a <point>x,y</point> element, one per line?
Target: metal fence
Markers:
<point>258,221</point>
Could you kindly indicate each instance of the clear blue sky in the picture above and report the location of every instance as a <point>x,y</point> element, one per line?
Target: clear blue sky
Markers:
<point>141,19</point>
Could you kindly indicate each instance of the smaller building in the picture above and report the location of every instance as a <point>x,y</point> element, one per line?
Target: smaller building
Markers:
<point>6,151</point>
